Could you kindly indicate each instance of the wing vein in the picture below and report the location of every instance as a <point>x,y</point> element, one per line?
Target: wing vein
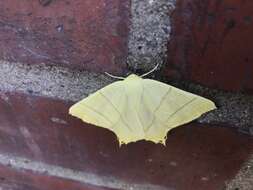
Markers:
<point>121,117</point>
<point>154,113</point>
<point>138,112</point>
<point>182,107</point>
<point>99,113</point>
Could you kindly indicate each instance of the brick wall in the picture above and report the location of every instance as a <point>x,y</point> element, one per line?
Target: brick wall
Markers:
<point>54,53</point>
<point>86,35</point>
<point>212,43</point>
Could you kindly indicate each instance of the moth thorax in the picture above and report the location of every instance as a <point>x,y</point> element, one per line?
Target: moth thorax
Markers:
<point>133,77</point>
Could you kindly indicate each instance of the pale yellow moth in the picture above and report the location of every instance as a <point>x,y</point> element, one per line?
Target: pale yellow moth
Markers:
<point>136,109</point>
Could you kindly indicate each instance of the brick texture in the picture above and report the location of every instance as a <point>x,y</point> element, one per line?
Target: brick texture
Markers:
<point>80,34</point>
<point>212,43</point>
<point>196,156</point>
<point>11,179</point>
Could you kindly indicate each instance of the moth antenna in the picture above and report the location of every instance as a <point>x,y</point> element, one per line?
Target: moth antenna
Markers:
<point>151,71</point>
<point>115,77</point>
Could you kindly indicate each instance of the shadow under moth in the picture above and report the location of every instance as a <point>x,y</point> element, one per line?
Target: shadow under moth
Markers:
<point>136,108</point>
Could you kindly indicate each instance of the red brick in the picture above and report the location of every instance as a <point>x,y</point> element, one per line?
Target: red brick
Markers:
<point>196,156</point>
<point>89,34</point>
<point>11,179</point>
<point>212,43</point>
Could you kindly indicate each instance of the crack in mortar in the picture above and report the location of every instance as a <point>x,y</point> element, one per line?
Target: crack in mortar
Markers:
<point>149,33</point>
<point>234,109</point>
<point>20,163</point>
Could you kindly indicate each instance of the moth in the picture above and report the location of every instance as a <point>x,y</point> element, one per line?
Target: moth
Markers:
<point>140,109</point>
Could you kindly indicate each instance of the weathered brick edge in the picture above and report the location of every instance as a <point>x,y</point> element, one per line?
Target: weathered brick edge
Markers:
<point>244,178</point>
<point>21,179</point>
<point>20,163</point>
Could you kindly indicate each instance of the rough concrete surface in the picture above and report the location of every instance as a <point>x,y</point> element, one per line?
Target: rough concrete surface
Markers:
<point>149,33</point>
<point>51,81</point>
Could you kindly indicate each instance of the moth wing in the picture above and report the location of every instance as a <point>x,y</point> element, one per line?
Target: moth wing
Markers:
<point>101,108</point>
<point>164,107</point>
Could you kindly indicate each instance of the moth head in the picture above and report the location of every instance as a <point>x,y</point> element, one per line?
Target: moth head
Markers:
<point>133,76</point>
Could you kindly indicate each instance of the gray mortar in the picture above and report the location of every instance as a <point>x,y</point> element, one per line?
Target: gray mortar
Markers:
<point>244,178</point>
<point>50,81</point>
<point>149,33</point>
<point>69,85</point>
